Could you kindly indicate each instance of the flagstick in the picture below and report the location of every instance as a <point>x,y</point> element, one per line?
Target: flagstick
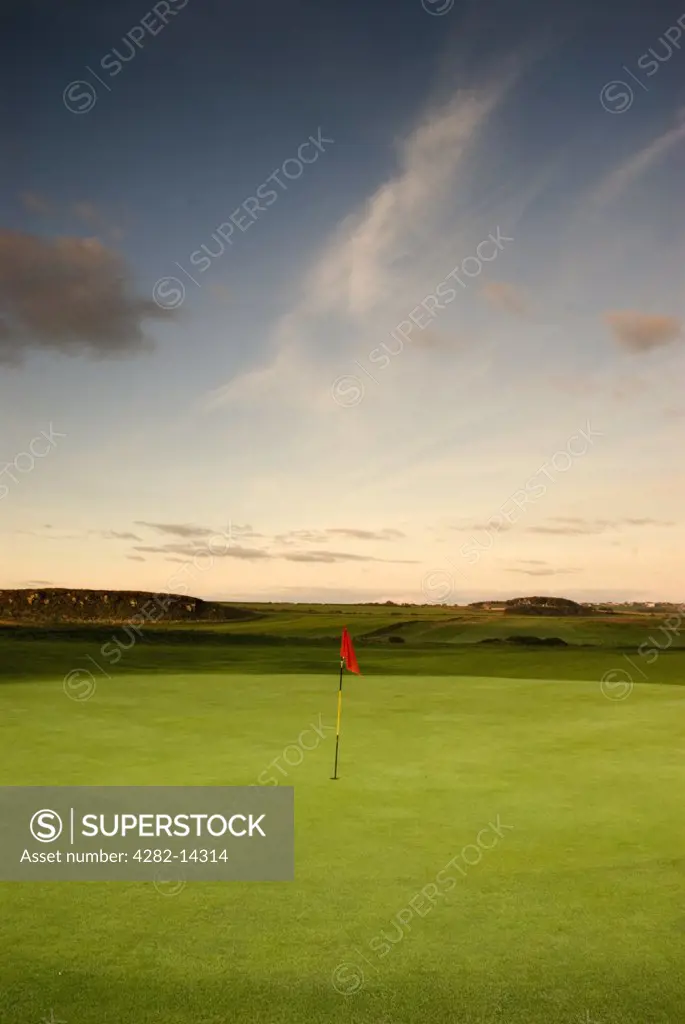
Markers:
<point>337,731</point>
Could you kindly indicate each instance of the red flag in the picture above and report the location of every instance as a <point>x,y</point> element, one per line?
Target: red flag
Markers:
<point>347,653</point>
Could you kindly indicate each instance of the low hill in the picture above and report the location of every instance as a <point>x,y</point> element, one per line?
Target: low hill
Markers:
<point>62,605</point>
<point>544,606</point>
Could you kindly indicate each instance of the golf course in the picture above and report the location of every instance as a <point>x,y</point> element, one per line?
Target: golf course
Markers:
<point>504,842</point>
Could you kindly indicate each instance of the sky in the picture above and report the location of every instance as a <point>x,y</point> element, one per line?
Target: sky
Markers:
<point>307,300</point>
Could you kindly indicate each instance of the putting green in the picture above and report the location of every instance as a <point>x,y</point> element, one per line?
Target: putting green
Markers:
<point>496,850</point>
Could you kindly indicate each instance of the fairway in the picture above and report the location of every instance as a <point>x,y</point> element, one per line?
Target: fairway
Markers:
<point>559,810</point>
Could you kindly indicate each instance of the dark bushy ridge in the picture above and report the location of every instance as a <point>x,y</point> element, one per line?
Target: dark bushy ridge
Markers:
<point>526,641</point>
<point>62,605</point>
<point>544,606</point>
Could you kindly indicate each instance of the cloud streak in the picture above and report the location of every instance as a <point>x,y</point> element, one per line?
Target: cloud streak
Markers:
<point>620,179</point>
<point>177,529</point>
<point>576,527</point>
<point>545,572</point>
<point>192,550</point>
<point>322,536</point>
<point>259,554</point>
<point>340,556</point>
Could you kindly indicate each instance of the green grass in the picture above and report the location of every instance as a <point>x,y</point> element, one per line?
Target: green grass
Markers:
<point>436,642</point>
<point>578,908</point>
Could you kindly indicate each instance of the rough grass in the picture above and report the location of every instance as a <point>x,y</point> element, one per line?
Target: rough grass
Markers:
<point>288,640</point>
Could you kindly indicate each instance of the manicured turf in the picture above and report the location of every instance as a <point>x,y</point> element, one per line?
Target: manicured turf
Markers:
<point>571,909</point>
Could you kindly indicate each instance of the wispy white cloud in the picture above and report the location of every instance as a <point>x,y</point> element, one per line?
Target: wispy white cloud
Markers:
<point>631,170</point>
<point>371,258</point>
<point>356,272</point>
